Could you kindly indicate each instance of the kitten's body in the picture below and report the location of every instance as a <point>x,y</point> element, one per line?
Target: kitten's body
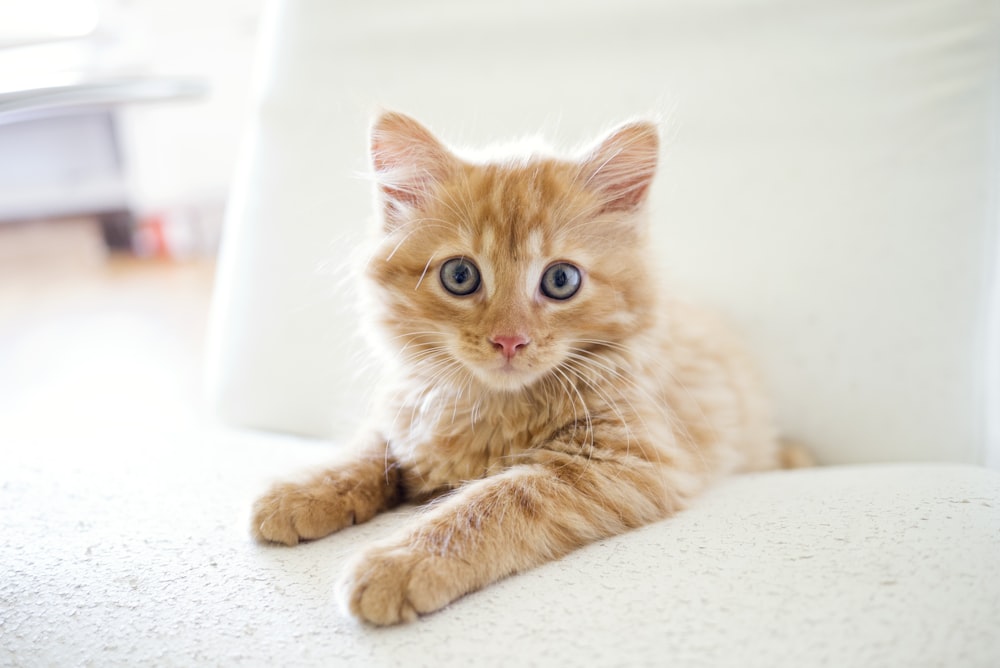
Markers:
<point>553,420</point>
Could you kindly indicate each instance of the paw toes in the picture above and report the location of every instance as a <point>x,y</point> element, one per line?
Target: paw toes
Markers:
<point>373,590</point>
<point>288,515</point>
<point>392,585</point>
<point>271,527</point>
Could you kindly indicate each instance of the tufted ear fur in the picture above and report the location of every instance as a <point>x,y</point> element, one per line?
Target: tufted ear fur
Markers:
<point>408,161</point>
<point>621,167</point>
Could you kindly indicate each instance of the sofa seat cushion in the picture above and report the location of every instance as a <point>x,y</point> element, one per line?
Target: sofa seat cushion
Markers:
<point>114,554</point>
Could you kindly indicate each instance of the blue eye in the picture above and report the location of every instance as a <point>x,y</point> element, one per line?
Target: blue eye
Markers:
<point>560,281</point>
<point>460,277</point>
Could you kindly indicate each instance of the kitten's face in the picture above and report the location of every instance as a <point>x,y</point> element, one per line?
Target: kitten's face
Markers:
<point>504,273</point>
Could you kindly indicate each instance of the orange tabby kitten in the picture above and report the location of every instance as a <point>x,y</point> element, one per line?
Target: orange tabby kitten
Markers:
<point>546,392</point>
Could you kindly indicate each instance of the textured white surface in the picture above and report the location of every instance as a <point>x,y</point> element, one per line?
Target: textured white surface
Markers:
<point>114,554</point>
<point>829,181</point>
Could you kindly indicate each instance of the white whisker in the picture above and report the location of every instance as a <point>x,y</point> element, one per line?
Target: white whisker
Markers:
<point>424,272</point>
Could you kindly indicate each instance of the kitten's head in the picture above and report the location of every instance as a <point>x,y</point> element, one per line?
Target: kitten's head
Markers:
<point>505,272</point>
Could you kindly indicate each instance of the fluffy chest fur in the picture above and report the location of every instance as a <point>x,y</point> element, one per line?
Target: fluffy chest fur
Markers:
<point>443,438</point>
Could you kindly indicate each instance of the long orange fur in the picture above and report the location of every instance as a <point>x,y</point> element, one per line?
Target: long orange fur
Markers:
<point>624,403</point>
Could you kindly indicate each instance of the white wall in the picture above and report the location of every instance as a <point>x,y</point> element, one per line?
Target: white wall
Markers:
<point>182,152</point>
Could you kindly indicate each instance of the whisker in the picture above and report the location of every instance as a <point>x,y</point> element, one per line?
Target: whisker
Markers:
<point>424,272</point>
<point>586,414</point>
<point>677,425</point>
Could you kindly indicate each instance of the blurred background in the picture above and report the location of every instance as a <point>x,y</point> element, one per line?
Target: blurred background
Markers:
<point>828,182</point>
<point>119,130</point>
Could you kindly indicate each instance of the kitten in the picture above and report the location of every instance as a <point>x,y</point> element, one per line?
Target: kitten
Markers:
<point>546,392</point>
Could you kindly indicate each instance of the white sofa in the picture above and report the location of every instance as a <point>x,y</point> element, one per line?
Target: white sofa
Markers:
<point>829,182</point>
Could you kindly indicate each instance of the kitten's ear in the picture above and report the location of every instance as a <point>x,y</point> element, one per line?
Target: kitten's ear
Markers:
<point>621,168</point>
<point>408,160</point>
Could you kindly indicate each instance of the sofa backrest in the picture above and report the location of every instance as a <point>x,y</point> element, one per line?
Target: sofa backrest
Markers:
<point>829,182</point>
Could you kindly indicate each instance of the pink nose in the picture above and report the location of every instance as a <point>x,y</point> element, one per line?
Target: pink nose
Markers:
<point>509,344</point>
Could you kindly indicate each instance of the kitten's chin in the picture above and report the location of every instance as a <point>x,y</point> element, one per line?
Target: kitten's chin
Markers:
<point>506,378</point>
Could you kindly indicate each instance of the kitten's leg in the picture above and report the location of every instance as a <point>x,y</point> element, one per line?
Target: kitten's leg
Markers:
<point>528,515</point>
<point>350,493</point>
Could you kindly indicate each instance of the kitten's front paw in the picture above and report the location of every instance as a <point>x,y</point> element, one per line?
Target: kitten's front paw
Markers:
<point>389,585</point>
<point>289,513</point>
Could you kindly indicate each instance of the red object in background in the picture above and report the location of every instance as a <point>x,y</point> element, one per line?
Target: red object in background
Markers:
<point>150,238</point>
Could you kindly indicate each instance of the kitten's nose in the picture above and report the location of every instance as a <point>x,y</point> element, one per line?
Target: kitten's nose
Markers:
<point>509,344</point>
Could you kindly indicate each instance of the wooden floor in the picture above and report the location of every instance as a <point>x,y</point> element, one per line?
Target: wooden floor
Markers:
<point>87,338</point>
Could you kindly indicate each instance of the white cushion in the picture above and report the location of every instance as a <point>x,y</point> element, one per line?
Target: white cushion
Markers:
<point>829,182</point>
<point>144,559</point>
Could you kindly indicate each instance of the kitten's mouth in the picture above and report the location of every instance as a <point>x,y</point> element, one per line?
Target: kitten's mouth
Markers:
<point>508,369</point>
<point>506,374</point>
